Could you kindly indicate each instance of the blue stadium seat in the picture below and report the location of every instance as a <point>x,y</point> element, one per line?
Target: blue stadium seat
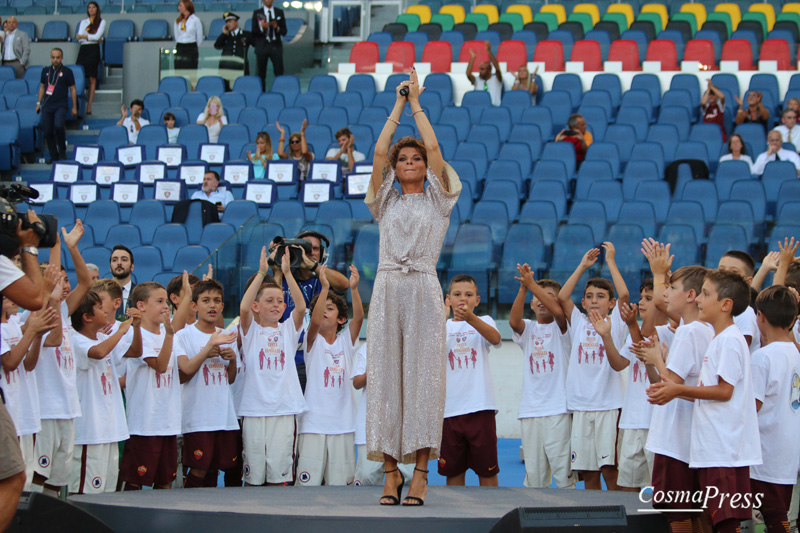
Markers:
<point>472,254</point>
<point>154,30</point>
<point>383,39</point>
<point>148,215</point>
<point>668,136</point>
<point>174,87</point>
<point>365,257</point>
<point>55,31</point>
<point>678,117</point>
<point>609,193</point>
<point>524,244</point>
<point>126,234</point>
<point>649,83</point>
<point>250,87</point>
<point>693,150</point>
<point>640,38</point>
<point>530,135</point>
<point>572,242</point>
<point>9,137</point>
<point>210,86</point>
<point>255,118</point>
<point>384,100</point>
<point>636,172</point>
<point>754,137</point>
<point>456,40</point>
<point>724,237</point>
<point>350,102</point>
<point>588,173</point>
<point>506,169</point>
<point>639,98</point>
<point>728,173</point>
<point>589,213</point>
<point>636,117</point>
<point>690,213</point>
<point>215,234</point>
<point>156,104</point>
<point>288,85</point>
<point>561,151</point>
<point>169,238</point>
<point>338,215</point>
<point>541,117</point>
<point>658,194</point>
<point>624,137</point>
<point>627,239</point>
<point>333,117</point>
<point>458,118</point>
<point>272,104</point>
<point>779,234</point>
<point>312,103</point>
<point>504,191</point>
<point>238,212</point>
<point>571,84</point>
<point>775,174</point>
<point>476,153</point>
<point>445,135</point>
<point>233,103</point>
<point>326,85</point>
<point>12,90</point>
<point>651,152</point>
<point>640,214</point>
<point>111,138</point>
<point>711,136</point>
<point>788,214</point>
<point>680,98</point>
<point>610,83</point>
<point>194,104</point>
<point>516,101</point>
<point>605,151</point>
<point>364,85</point>
<point>151,137</point>
<point>441,84</point>
<point>596,119</point>
<point>705,193</point>
<point>602,38</point>
<point>466,173</point>
<point>192,136</point>
<point>499,117</point>
<point>788,193</point>
<point>495,215</point>
<point>560,105</point>
<point>101,214</point>
<point>752,192</point>
<point>370,116</point>
<point>236,136</point>
<point>528,37</point>
<point>290,214</point>
<point>28,123</point>
<point>99,255</point>
<point>475,102</point>
<point>543,214</point>
<point>488,136</point>
<point>552,191</point>
<point>684,244</point>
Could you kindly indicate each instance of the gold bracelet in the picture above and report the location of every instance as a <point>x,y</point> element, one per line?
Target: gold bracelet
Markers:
<point>393,120</point>
<point>417,111</point>
<point>661,283</point>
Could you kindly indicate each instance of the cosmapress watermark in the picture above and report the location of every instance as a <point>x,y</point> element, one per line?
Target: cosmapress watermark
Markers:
<point>691,498</point>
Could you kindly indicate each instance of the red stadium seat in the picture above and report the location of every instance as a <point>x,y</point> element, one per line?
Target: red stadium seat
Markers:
<point>589,53</point>
<point>365,55</point>
<point>663,50</point>
<point>481,56</point>
<point>626,51</point>
<point>777,50</point>
<point>439,54</point>
<point>739,50</point>
<point>551,53</point>
<point>702,51</point>
<point>401,54</point>
<point>513,53</point>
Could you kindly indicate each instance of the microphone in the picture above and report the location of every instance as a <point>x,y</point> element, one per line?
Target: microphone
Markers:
<point>404,91</point>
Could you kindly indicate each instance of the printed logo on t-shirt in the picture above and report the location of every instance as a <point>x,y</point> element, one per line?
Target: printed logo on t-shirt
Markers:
<point>540,359</point>
<point>165,379</point>
<point>106,379</point>
<point>97,482</point>
<point>12,376</point>
<point>64,358</point>
<point>333,376</point>
<point>305,477</point>
<point>44,461</point>
<point>270,359</point>
<point>591,349</point>
<point>462,354</point>
<point>214,372</point>
<point>795,396</point>
<point>639,373</point>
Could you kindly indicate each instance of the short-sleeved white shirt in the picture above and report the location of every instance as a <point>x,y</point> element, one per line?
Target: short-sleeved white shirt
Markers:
<point>55,374</point>
<point>725,434</point>
<point>545,353</point>
<point>469,374</point>
<point>130,127</point>
<point>119,351</point>
<point>19,385</point>
<point>493,86</point>
<point>636,410</point>
<point>748,325</point>
<point>9,272</point>
<point>360,367</point>
<point>776,383</point>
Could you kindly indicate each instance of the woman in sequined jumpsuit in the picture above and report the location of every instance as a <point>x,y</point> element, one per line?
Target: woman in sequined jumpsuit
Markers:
<point>406,328</point>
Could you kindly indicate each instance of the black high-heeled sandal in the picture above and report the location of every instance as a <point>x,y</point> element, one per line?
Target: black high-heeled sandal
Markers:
<point>395,500</point>
<point>417,502</point>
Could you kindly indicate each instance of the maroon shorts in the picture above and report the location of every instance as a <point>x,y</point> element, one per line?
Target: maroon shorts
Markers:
<point>211,450</point>
<point>469,441</point>
<point>733,501</point>
<point>149,460</point>
<point>672,477</point>
<point>773,497</point>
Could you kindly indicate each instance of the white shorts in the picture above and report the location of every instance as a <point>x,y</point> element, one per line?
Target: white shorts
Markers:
<point>53,451</point>
<point>26,445</point>
<point>546,451</point>
<point>635,463</point>
<point>331,458</point>
<point>270,445</point>
<point>371,472</point>
<point>95,468</point>
<point>594,439</point>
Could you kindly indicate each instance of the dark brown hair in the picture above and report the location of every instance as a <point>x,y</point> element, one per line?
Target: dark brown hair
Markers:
<point>95,24</point>
<point>208,285</point>
<point>341,307</point>
<point>732,286</point>
<point>691,277</point>
<point>407,142</point>
<point>141,292</point>
<point>86,307</point>
<point>601,283</point>
<point>778,305</point>
<point>462,278</point>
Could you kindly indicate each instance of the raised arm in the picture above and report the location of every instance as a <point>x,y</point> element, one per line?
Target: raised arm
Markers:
<point>602,325</point>
<point>470,65</point>
<point>548,300</point>
<point>181,316</point>
<point>161,363</point>
<point>101,350</point>
<point>660,261</point>
<point>516,318</point>
<point>435,160</point>
<point>494,62</point>
<point>281,141</point>
<point>768,264</point>
<point>623,296</point>
<point>303,142</point>
<point>299,311</point>
<point>358,309</point>
<point>565,294</point>
<point>380,157</point>
<point>246,307</point>
<point>319,311</point>
<point>84,277</point>
<point>788,248</point>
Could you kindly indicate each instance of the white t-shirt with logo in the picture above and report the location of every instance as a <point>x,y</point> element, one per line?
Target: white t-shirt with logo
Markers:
<point>19,385</point>
<point>360,367</point>
<point>469,374</point>
<point>636,410</point>
<point>668,423</point>
<point>55,375</point>
<point>119,351</point>
<point>592,385</point>
<point>102,417</point>
<point>725,434</point>
<point>329,391</point>
<point>207,397</point>
<point>748,325</point>
<point>545,353</point>
<point>153,398</point>
<point>776,383</point>
<point>270,386</point>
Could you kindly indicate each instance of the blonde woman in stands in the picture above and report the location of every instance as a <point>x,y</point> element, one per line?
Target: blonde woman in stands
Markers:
<point>213,118</point>
<point>736,151</point>
<point>263,154</point>
<point>406,331</point>
<point>526,81</point>
<point>298,149</point>
<point>90,33</point>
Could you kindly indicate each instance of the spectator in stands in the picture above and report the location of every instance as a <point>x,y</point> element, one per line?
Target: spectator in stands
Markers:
<point>213,118</point>
<point>577,135</point>
<point>172,131</point>
<point>755,112</point>
<point>736,151</point>
<point>485,80</point>
<point>188,32</point>
<point>269,25</point>
<point>93,271</point>
<point>793,104</point>
<point>90,33</point>
<point>134,122</point>
<point>775,152</point>
<point>263,154</point>
<point>211,192</point>
<point>347,155</point>
<point>233,43</point>
<point>788,129</point>
<point>713,105</point>
<point>526,81</point>
<point>16,47</point>
<point>121,264</point>
<point>56,81</point>
<point>298,149</point>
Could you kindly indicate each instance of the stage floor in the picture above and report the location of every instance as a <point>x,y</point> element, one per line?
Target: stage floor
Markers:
<point>334,509</point>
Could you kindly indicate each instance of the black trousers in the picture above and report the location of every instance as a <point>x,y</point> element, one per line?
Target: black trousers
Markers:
<point>53,125</point>
<point>266,52</point>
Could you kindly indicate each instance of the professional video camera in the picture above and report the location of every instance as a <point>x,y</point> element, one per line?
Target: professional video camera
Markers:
<point>10,196</point>
<point>295,254</point>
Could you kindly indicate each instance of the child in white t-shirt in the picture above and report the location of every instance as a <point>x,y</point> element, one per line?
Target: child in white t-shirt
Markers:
<point>152,390</point>
<point>724,441</point>
<point>742,263</point>
<point>270,397</point>
<point>543,414</point>
<point>206,358</point>
<point>776,383</point>
<point>102,424</point>
<point>110,294</point>
<point>594,390</point>
<point>469,432</point>
<point>326,446</point>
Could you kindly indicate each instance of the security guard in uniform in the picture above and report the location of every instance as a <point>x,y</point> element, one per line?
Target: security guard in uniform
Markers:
<point>233,42</point>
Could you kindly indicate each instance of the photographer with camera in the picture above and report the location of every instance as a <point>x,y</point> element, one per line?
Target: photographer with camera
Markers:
<point>577,135</point>
<point>307,252</point>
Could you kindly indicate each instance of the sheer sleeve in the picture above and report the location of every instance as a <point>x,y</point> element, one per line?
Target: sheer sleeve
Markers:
<point>378,201</point>
<point>444,200</point>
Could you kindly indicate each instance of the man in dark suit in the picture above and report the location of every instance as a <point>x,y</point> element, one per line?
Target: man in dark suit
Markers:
<point>269,26</point>
<point>233,43</point>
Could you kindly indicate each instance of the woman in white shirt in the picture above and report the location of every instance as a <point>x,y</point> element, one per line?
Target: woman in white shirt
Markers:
<point>736,151</point>
<point>213,117</point>
<point>90,33</point>
<point>188,31</point>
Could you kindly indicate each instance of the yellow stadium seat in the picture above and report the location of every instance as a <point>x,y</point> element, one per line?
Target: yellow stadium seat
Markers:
<point>732,10</point>
<point>768,10</point>
<point>489,10</point>
<point>522,9</point>
<point>590,9</point>
<point>455,10</point>
<point>699,12</point>
<point>625,9</point>
<point>791,7</point>
<point>556,9</point>
<point>422,10</point>
<point>660,10</point>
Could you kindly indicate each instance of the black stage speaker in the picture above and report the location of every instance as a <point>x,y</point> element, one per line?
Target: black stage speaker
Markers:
<point>38,513</point>
<point>606,519</point>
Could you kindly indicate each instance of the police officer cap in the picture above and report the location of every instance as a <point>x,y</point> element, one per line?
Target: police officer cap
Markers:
<point>230,16</point>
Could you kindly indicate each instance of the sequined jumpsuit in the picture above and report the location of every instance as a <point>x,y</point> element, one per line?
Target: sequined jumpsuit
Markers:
<point>406,327</point>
